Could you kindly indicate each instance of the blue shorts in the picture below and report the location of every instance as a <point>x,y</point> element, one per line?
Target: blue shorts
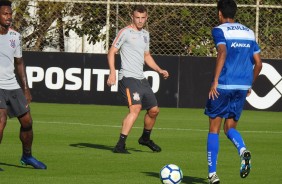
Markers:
<point>229,104</point>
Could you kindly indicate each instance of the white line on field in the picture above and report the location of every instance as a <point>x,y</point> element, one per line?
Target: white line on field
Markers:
<point>155,128</point>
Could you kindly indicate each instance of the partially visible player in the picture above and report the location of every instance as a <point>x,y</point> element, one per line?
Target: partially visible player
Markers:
<point>14,98</point>
<point>238,64</point>
<point>133,43</point>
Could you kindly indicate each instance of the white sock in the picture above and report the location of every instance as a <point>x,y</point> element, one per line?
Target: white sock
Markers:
<point>211,174</point>
<point>242,150</point>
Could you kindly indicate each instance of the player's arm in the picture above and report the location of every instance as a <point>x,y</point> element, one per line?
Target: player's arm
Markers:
<point>258,66</point>
<point>152,64</point>
<point>111,62</point>
<point>220,42</point>
<point>220,60</point>
<point>20,71</point>
<point>257,69</point>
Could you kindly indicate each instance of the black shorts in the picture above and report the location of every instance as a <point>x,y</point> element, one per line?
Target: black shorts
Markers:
<point>136,91</point>
<point>14,101</point>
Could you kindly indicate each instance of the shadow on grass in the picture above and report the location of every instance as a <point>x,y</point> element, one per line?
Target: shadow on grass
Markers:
<point>12,165</point>
<point>100,146</point>
<point>186,179</point>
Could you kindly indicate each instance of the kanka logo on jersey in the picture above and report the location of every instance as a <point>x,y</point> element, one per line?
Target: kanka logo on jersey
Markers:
<point>72,79</point>
<point>273,95</point>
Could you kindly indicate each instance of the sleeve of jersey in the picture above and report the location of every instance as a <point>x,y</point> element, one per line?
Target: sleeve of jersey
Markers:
<point>120,38</point>
<point>218,36</point>
<point>148,44</point>
<point>256,48</point>
<point>18,51</point>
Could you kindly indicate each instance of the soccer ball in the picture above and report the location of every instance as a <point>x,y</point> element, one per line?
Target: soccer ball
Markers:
<point>171,174</point>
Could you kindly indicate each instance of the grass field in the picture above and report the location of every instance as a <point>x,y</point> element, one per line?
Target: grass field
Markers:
<point>75,141</point>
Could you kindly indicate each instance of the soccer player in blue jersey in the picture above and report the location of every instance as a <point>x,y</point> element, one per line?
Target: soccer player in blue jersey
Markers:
<point>14,97</point>
<point>238,64</point>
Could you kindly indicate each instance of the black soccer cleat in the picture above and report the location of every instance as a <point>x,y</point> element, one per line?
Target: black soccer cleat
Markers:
<point>245,168</point>
<point>120,149</point>
<point>150,143</point>
<point>214,179</point>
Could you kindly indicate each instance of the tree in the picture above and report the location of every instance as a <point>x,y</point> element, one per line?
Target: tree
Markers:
<point>36,25</point>
<point>174,29</point>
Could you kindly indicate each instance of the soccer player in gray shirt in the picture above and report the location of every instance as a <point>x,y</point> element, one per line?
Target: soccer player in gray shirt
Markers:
<point>14,98</point>
<point>133,44</point>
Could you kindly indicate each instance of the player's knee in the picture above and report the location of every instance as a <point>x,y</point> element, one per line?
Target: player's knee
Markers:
<point>153,112</point>
<point>27,127</point>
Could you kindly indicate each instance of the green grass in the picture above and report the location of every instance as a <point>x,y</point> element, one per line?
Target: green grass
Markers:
<point>75,141</point>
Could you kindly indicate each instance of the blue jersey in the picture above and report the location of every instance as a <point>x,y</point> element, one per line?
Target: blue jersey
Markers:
<point>237,72</point>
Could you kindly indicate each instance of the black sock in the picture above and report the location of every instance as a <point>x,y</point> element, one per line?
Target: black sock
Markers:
<point>146,134</point>
<point>26,152</point>
<point>122,139</point>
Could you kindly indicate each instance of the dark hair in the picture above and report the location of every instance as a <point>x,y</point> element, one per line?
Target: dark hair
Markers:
<point>139,8</point>
<point>228,8</point>
<point>5,3</point>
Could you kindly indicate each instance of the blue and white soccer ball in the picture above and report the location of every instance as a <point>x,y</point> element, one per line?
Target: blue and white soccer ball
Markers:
<point>171,174</point>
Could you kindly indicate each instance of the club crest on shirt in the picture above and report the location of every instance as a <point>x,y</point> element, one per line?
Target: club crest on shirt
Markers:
<point>136,96</point>
<point>13,43</point>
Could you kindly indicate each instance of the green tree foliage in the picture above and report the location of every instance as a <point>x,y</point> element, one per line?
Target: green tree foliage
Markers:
<point>175,28</point>
<point>34,20</point>
<point>87,19</point>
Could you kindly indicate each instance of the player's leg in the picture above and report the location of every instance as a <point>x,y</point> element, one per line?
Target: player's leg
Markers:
<point>130,118</point>
<point>3,115</point>
<point>26,133</point>
<point>18,107</point>
<point>3,112</point>
<point>233,135</point>
<point>237,100</point>
<point>149,102</point>
<point>213,148</point>
<point>127,124</point>
<point>216,109</point>
<point>26,137</point>
<point>149,122</point>
<point>236,107</point>
<point>3,121</point>
<point>150,117</point>
<point>129,89</point>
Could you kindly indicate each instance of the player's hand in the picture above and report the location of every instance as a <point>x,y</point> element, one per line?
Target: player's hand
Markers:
<point>213,91</point>
<point>249,92</point>
<point>111,80</point>
<point>27,95</point>
<point>164,73</point>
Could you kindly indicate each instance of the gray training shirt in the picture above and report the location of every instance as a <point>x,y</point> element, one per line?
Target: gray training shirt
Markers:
<point>132,44</point>
<point>10,47</point>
